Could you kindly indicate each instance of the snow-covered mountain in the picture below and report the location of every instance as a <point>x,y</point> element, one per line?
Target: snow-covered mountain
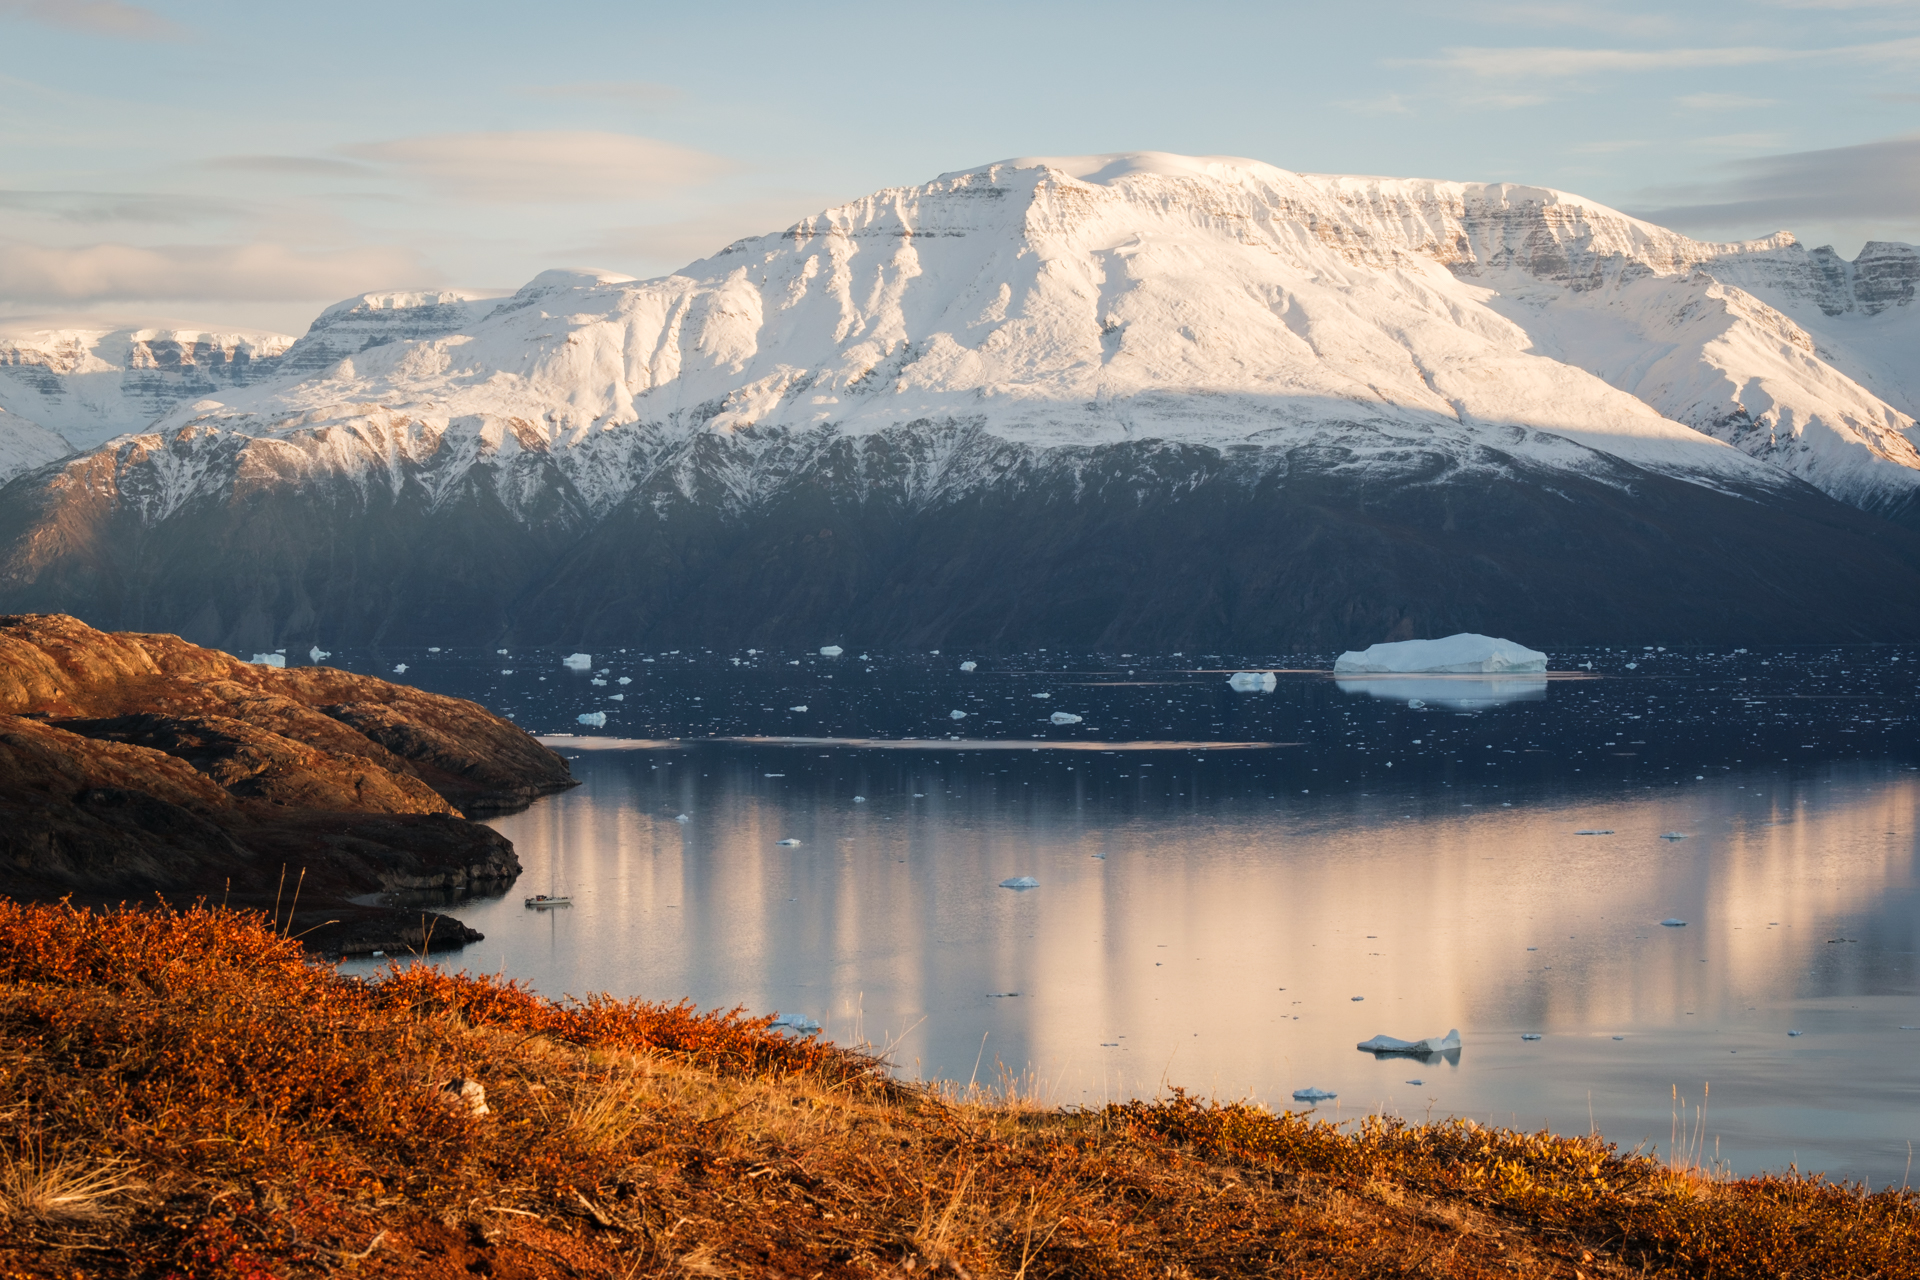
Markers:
<point>1030,336</point>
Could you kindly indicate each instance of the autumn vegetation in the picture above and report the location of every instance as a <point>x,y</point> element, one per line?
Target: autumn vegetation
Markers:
<point>186,1094</point>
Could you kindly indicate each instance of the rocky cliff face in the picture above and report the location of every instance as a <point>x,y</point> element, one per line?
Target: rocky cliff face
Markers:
<point>1024,343</point>
<point>140,764</point>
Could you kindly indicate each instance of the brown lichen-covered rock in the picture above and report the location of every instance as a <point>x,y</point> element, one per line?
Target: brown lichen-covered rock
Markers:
<point>138,764</point>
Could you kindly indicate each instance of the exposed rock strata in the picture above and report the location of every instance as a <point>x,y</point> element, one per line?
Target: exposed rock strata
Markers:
<point>134,765</point>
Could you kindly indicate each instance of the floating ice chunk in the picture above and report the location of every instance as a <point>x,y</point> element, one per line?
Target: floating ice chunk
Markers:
<point>1416,1082</point>
<point>1672,923</point>
<point>859,799</point>
<point>682,818</point>
<point>599,682</point>
<point>1313,1095</point>
<point>506,671</point>
<point>1414,704</point>
<point>399,668</point>
<point>501,652</point>
<point>598,719</point>
<point>1462,653</point>
<point>1065,717</point>
<point>1019,882</point>
<point>1432,1044</point>
<point>1043,695</point>
<point>316,653</point>
<point>801,707</point>
<point>270,659</point>
<point>788,843</point>
<point>1252,682</point>
<point>864,658</point>
<point>578,661</point>
<point>795,1022</point>
<point>625,680</point>
<point>956,715</point>
<point>1796,1033</point>
<point>434,649</point>
<point>616,697</point>
<point>1633,666</point>
<point>1529,1035</point>
<point>831,651</point>
<point>969,666</point>
<point>1673,835</point>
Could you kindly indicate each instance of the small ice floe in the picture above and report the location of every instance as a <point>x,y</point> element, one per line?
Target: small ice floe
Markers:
<point>506,671</point>
<point>616,697</point>
<point>956,715</point>
<point>1456,654</point>
<point>1633,666</point>
<point>597,719</point>
<point>1796,1033</point>
<point>1673,835</point>
<point>681,817</point>
<point>1432,1044</point>
<point>1043,695</point>
<point>859,799</point>
<point>1529,1035</point>
<point>773,775</point>
<point>501,652</point>
<point>378,954</point>
<point>1907,1028</point>
<point>316,653</point>
<point>1414,704</point>
<point>801,707</point>
<point>969,665</point>
<point>598,682</point>
<point>1673,922</point>
<point>1019,882</point>
<point>1416,1082</point>
<point>1065,717</point>
<point>1619,1037</point>
<point>1594,832</point>
<point>1313,1095</point>
<point>1252,682</point>
<point>270,659</point>
<point>788,843</point>
<point>434,649</point>
<point>831,651</point>
<point>578,661</point>
<point>798,1023</point>
<point>400,668</point>
<point>624,680</point>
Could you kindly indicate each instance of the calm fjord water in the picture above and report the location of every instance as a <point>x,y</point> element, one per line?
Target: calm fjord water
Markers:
<point>1236,888</point>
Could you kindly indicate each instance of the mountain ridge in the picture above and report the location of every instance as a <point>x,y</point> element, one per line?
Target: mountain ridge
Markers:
<point>978,341</point>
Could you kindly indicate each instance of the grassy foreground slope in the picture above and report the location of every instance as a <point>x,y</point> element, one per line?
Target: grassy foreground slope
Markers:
<point>185,1094</point>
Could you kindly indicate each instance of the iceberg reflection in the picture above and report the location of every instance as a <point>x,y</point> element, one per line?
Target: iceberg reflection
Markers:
<point>1449,691</point>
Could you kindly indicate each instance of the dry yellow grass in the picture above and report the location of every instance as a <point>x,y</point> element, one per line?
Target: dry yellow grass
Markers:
<point>185,1095</point>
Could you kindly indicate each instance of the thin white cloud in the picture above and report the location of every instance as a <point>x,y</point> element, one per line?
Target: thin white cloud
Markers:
<point>93,207</point>
<point>1724,102</point>
<point>100,17</point>
<point>1740,141</point>
<point>636,93</point>
<point>1607,148</point>
<point>1547,63</point>
<point>298,166</point>
<point>1390,105</point>
<point>544,167</point>
<point>1594,17</point>
<point>1556,62</point>
<point>38,274</point>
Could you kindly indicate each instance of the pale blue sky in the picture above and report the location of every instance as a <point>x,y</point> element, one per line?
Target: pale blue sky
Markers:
<point>246,164</point>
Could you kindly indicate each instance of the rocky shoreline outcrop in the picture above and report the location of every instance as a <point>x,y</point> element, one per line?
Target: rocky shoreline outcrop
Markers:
<point>143,768</point>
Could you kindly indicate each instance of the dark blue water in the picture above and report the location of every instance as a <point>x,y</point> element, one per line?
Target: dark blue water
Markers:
<point>1220,874</point>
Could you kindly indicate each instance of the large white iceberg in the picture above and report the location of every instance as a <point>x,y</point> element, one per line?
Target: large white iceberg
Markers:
<point>579,661</point>
<point>1464,654</point>
<point>1432,1044</point>
<point>270,659</point>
